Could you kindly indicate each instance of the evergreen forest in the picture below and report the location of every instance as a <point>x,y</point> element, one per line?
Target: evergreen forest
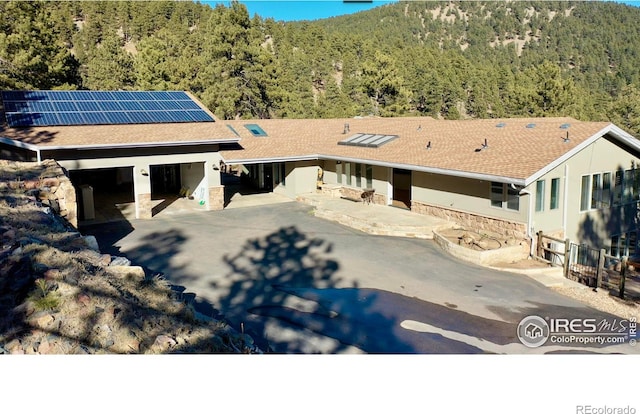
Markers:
<point>449,60</point>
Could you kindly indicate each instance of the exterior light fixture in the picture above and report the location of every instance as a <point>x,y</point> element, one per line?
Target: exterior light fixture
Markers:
<point>144,172</point>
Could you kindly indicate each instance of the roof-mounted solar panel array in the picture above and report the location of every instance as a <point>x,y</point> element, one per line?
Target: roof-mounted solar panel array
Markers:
<point>52,108</point>
<point>367,140</point>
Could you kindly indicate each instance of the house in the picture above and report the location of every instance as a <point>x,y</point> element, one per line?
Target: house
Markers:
<point>510,177</point>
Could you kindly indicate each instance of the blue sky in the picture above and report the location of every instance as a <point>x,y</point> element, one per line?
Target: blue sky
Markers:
<point>289,10</point>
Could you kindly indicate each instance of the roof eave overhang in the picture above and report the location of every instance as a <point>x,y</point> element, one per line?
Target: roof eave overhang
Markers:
<point>616,132</point>
<point>137,145</point>
<point>441,171</point>
<point>19,144</point>
<point>432,170</point>
<point>249,161</point>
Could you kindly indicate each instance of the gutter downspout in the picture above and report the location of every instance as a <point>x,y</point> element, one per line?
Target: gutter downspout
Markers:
<point>565,200</point>
<point>529,219</point>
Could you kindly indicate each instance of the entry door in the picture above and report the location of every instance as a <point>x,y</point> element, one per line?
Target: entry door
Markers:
<point>402,188</point>
<point>165,179</point>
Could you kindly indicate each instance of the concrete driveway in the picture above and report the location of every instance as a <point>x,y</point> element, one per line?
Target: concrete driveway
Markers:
<point>300,284</point>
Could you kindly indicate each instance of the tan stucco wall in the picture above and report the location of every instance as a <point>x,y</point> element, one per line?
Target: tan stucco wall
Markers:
<point>301,177</point>
<point>202,163</point>
<point>595,227</point>
<point>462,194</point>
<point>192,176</point>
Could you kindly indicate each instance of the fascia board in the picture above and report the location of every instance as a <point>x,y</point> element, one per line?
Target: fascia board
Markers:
<point>139,145</point>
<point>19,144</point>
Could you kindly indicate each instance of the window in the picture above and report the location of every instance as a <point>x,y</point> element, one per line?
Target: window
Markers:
<point>540,195</point>
<point>632,242</point>
<point>279,175</point>
<point>628,185</point>
<point>624,244</point>
<point>606,190</point>
<point>496,194</point>
<point>555,194</point>
<point>584,192</point>
<point>369,175</point>
<point>513,198</point>
<point>595,191</point>
<point>615,246</point>
<point>504,196</point>
<point>617,189</point>
<point>358,175</point>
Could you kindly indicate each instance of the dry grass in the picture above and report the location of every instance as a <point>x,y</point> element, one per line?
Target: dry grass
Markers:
<point>59,296</point>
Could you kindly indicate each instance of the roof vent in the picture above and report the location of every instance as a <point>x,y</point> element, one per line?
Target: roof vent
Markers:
<point>531,126</point>
<point>501,125</point>
<point>346,128</point>
<point>566,139</point>
<point>483,147</point>
<point>565,126</point>
<point>429,145</point>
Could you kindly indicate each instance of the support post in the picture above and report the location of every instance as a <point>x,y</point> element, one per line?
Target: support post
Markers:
<point>567,257</point>
<point>539,245</point>
<point>623,275</point>
<point>600,269</point>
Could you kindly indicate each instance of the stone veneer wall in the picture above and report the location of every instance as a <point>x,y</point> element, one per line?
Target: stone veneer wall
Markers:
<point>473,221</point>
<point>216,198</point>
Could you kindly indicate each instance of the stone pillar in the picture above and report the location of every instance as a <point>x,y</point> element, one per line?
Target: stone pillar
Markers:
<point>216,198</point>
<point>143,206</point>
<point>142,191</point>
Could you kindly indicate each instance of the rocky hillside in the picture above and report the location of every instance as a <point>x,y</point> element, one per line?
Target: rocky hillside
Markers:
<point>60,295</point>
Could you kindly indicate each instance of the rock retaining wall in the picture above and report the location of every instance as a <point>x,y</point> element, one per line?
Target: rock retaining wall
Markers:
<point>482,257</point>
<point>47,183</point>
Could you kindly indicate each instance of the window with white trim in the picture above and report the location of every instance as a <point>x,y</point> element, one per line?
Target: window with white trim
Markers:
<point>624,244</point>
<point>554,201</point>
<point>540,195</point>
<point>504,196</point>
<point>595,190</point>
<point>369,175</point>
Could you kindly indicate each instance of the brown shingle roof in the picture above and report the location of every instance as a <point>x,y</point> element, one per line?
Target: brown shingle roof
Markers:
<point>100,135</point>
<point>513,150</point>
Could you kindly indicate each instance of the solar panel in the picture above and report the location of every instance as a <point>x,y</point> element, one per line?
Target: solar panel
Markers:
<point>367,140</point>
<point>45,108</point>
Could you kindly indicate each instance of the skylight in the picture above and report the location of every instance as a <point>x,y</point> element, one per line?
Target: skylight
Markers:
<point>255,130</point>
<point>367,140</point>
